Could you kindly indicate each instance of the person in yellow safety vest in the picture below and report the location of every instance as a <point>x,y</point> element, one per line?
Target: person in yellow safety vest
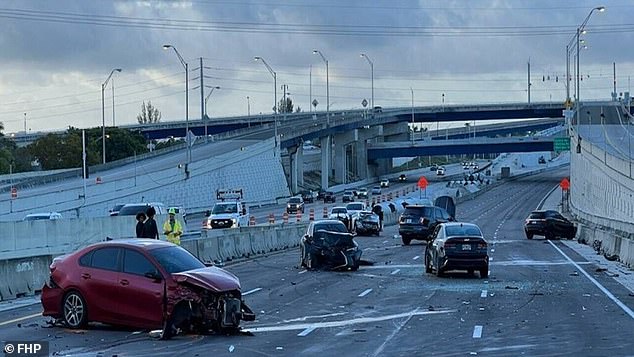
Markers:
<point>172,228</point>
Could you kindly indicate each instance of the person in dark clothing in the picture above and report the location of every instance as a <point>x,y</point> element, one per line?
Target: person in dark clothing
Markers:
<point>140,220</point>
<point>150,229</point>
<point>379,212</point>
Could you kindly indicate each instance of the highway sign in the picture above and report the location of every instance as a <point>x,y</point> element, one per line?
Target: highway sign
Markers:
<point>564,184</point>
<point>562,144</point>
<point>364,103</point>
<point>315,102</point>
<point>422,182</point>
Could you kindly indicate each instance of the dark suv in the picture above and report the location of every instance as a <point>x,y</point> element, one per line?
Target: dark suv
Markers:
<point>417,222</point>
<point>549,224</point>
<point>295,204</point>
<point>329,196</point>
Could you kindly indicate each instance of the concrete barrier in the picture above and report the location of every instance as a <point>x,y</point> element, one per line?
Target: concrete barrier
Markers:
<point>23,276</point>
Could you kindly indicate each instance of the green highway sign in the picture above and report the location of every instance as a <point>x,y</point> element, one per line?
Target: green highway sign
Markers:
<point>562,144</point>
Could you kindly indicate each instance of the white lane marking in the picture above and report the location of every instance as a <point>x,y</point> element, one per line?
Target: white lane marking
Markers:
<point>416,257</point>
<point>252,291</point>
<point>20,319</point>
<point>18,303</point>
<point>314,317</point>
<point>595,282</point>
<point>306,331</point>
<point>484,294</point>
<point>477,331</point>
<point>347,322</point>
<point>395,271</point>
<point>399,266</point>
<point>366,292</point>
<point>396,330</point>
<point>303,271</point>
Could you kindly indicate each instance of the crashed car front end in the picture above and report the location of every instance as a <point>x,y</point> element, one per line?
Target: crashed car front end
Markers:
<point>332,251</point>
<point>204,300</point>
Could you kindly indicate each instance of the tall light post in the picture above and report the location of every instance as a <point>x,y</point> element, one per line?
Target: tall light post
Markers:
<point>258,58</point>
<point>103,113</point>
<point>327,86</point>
<point>575,42</point>
<point>186,66</point>
<point>248,106</point>
<point>371,70</point>
<point>412,90</point>
<point>206,100</point>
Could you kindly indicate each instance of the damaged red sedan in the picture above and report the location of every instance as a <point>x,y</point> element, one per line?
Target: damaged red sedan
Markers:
<point>143,283</point>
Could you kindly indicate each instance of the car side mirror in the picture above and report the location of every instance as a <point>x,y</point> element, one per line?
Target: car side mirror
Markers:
<point>425,221</point>
<point>153,275</point>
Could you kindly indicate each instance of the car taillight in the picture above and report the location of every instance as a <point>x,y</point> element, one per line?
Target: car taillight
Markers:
<point>482,246</point>
<point>526,221</point>
<point>449,245</point>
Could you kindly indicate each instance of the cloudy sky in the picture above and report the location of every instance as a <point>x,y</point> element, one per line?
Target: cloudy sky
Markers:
<point>56,54</point>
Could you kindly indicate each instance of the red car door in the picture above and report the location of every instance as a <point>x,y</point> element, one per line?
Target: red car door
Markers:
<point>140,296</point>
<point>97,283</point>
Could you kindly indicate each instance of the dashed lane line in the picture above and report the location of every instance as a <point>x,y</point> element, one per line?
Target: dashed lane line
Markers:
<point>365,292</point>
<point>20,319</point>
<point>306,331</point>
<point>484,294</point>
<point>252,291</point>
<point>477,331</point>
<point>416,257</point>
<point>395,271</point>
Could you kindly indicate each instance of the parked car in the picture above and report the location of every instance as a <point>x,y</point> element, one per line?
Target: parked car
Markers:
<point>457,246</point>
<point>367,223</point>
<point>131,209</point>
<point>294,205</point>
<point>440,171</point>
<point>308,196</point>
<point>42,216</point>
<point>329,196</point>
<point>348,196</point>
<point>418,222</point>
<point>376,190</point>
<point>139,283</point>
<point>550,224</point>
<point>340,214</point>
<point>114,211</point>
<point>328,245</point>
<point>384,183</point>
<point>402,178</point>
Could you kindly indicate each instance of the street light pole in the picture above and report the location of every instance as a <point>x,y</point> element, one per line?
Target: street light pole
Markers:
<point>103,113</point>
<point>186,66</point>
<point>372,70</point>
<point>327,87</point>
<point>206,116</point>
<point>258,58</point>
<point>410,88</point>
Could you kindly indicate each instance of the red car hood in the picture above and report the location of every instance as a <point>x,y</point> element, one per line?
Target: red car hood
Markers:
<point>211,278</point>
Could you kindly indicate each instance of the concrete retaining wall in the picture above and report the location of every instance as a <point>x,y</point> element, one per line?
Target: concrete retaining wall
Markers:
<point>602,201</point>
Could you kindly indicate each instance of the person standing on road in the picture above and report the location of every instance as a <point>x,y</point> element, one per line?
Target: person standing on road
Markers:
<point>140,220</point>
<point>172,228</point>
<point>150,229</point>
<point>379,212</point>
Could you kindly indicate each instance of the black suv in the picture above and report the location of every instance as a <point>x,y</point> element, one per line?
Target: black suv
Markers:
<point>307,196</point>
<point>329,196</point>
<point>549,224</point>
<point>295,204</point>
<point>418,222</point>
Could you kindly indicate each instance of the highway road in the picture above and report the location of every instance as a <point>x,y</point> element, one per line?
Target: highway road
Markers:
<point>541,299</point>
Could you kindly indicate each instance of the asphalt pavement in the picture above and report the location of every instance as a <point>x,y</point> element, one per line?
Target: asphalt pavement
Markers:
<point>541,299</point>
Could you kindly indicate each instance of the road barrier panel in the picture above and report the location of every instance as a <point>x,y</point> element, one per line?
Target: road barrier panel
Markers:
<point>298,217</point>
<point>325,213</point>
<point>271,218</point>
<point>311,215</point>
<point>252,220</point>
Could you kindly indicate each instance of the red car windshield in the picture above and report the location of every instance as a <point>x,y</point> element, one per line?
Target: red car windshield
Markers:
<point>176,259</point>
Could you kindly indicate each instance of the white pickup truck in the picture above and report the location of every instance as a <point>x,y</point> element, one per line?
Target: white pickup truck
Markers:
<point>228,212</point>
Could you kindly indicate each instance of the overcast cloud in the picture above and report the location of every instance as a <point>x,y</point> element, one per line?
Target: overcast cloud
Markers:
<point>56,54</point>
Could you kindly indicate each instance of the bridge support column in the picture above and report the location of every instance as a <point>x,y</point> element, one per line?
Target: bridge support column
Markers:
<point>326,148</point>
<point>361,157</point>
<point>296,156</point>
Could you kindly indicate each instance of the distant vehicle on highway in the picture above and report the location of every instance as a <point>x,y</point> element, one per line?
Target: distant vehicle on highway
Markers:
<point>114,211</point>
<point>308,196</point>
<point>348,196</point>
<point>367,223</point>
<point>440,171</point>
<point>550,224</point>
<point>152,279</point>
<point>329,196</point>
<point>541,160</point>
<point>376,190</point>
<point>402,178</point>
<point>418,222</point>
<point>228,212</point>
<point>384,183</point>
<point>340,214</point>
<point>131,209</point>
<point>362,192</point>
<point>377,109</point>
<point>328,245</point>
<point>45,216</point>
<point>457,246</point>
<point>294,205</point>
<point>433,168</point>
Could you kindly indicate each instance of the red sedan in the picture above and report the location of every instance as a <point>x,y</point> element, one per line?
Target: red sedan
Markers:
<point>143,283</point>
